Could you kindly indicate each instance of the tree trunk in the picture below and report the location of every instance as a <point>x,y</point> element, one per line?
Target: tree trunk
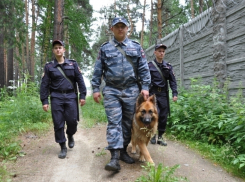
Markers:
<point>151,24</point>
<point>27,63</point>
<point>46,43</point>
<point>32,56</point>
<point>10,61</point>
<point>192,9</point>
<point>2,71</point>
<point>58,21</point>
<point>143,23</point>
<point>130,21</point>
<point>159,18</point>
<point>200,6</point>
<point>16,61</point>
<point>5,60</point>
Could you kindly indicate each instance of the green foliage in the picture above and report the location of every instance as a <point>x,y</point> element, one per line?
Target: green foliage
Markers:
<point>78,20</point>
<point>160,174</point>
<point>19,114</point>
<point>93,112</point>
<point>206,114</point>
<point>206,4</point>
<point>4,175</point>
<point>102,152</point>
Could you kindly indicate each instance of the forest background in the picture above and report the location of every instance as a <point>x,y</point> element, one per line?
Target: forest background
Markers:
<point>29,26</point>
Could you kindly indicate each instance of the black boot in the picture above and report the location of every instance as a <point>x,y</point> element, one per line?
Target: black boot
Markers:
<point>63,151</point>
<point>125,157</point>
<point>161,141</point>
<point>113,165</point>
<point>71,141</point>
<point>153,140</point>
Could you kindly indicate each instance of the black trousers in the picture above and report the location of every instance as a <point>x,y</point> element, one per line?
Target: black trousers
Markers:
<point>64,110</point>
<point>162,108</point>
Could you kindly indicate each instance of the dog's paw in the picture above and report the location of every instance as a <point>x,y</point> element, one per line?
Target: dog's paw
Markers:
<point>152,163</point>
<point>142,159</point>
<point>133,151</point>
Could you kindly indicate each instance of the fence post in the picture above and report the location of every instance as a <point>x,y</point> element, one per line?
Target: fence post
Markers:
<point>181,52</point>
<point>219,41</point>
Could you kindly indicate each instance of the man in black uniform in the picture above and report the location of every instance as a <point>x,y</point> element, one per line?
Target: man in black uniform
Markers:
<point>60,79</point>
<point>161,75</point>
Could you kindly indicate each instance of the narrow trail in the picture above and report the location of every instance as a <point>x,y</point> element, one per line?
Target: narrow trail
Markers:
<point>84,163</point>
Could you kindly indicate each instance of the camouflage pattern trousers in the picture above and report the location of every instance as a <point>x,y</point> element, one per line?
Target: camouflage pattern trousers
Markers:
<point>119,107</point>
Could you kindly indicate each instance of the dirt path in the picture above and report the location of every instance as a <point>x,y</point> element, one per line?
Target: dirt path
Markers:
<point>41,163</point>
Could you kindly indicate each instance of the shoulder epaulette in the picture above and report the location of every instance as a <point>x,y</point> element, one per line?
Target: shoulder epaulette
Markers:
<point>104,44</point>
<point>50,62</point>
<point>169,64</point>
<point>135,42</point>
<point>72,60</point>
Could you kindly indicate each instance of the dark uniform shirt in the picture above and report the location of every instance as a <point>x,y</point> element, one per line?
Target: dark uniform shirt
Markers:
<point>53,82</point>
<point>167,71</point>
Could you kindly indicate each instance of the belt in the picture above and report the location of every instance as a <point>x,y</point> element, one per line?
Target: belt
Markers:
<point>64,91</point>
<point>158,89</point>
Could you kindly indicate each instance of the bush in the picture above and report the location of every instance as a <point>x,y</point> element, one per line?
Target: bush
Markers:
<point>206,114</point>
<point>20,113</point>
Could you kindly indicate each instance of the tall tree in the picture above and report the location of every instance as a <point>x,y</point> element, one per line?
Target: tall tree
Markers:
<point>159,18</point>
<point>143,23</point>
<point>2,75</point>
<point>192,9</point>
<point>45,30</point>
<point>58,20</point>
<point>33,41</point>
<point>27,62</point>
<point>200,6</point>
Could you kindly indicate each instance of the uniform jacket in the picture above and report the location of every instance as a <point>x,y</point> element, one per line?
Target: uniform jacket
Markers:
<point>167,71</point>
<point>116,70</point>
<point>54,80</point>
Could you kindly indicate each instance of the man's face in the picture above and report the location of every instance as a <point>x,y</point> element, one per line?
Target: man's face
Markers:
<point>58,50</point>
<point>160,53</point>
<point>120,31</point>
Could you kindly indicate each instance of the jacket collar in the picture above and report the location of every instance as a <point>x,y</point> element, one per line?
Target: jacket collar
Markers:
<point>56,62</point>
<point>163,63</point>
<point>124,42</point>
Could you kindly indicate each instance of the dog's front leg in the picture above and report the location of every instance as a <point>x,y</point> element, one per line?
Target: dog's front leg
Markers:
<point>133,142</point>
<point>144,151</point>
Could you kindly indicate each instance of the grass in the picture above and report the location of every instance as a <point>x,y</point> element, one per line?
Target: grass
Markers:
<point>216,131</point>
<point>207,119</point>
<point>160,174</point>
<point>93,113</point>
<point>20,112</point>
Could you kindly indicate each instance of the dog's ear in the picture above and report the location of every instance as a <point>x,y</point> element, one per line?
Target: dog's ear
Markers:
<point>139,101</point>
<point>153,99</point>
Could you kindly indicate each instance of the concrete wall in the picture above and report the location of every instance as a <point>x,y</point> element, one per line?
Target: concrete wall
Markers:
<point>210,46</point>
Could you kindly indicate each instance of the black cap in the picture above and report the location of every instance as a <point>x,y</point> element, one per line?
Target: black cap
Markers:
<point>117,20</point>
<point>58,42</point>
<point>160,45</point>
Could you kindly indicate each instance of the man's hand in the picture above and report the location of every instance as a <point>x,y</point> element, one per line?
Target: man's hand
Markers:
<point>82,102</point>
<point>175,98</point>
<point>97,97</point>
<point>45,107</point>
<point>145,93</point>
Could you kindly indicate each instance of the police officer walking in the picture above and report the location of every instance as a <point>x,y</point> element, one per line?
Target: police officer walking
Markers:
<point>119,61</point>
<point>161,75</point>
<point>60,79</point>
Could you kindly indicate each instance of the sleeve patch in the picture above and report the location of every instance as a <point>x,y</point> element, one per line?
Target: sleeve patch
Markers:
<point>142,53</point>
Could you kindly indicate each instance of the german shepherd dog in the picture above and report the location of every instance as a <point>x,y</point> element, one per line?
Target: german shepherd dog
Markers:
<point>144,126</point>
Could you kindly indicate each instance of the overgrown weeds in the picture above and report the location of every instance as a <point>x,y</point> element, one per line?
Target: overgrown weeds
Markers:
<point>93,112</point>
<point>18,114</point>
<point>160,174</point>
<point>206,115</point>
